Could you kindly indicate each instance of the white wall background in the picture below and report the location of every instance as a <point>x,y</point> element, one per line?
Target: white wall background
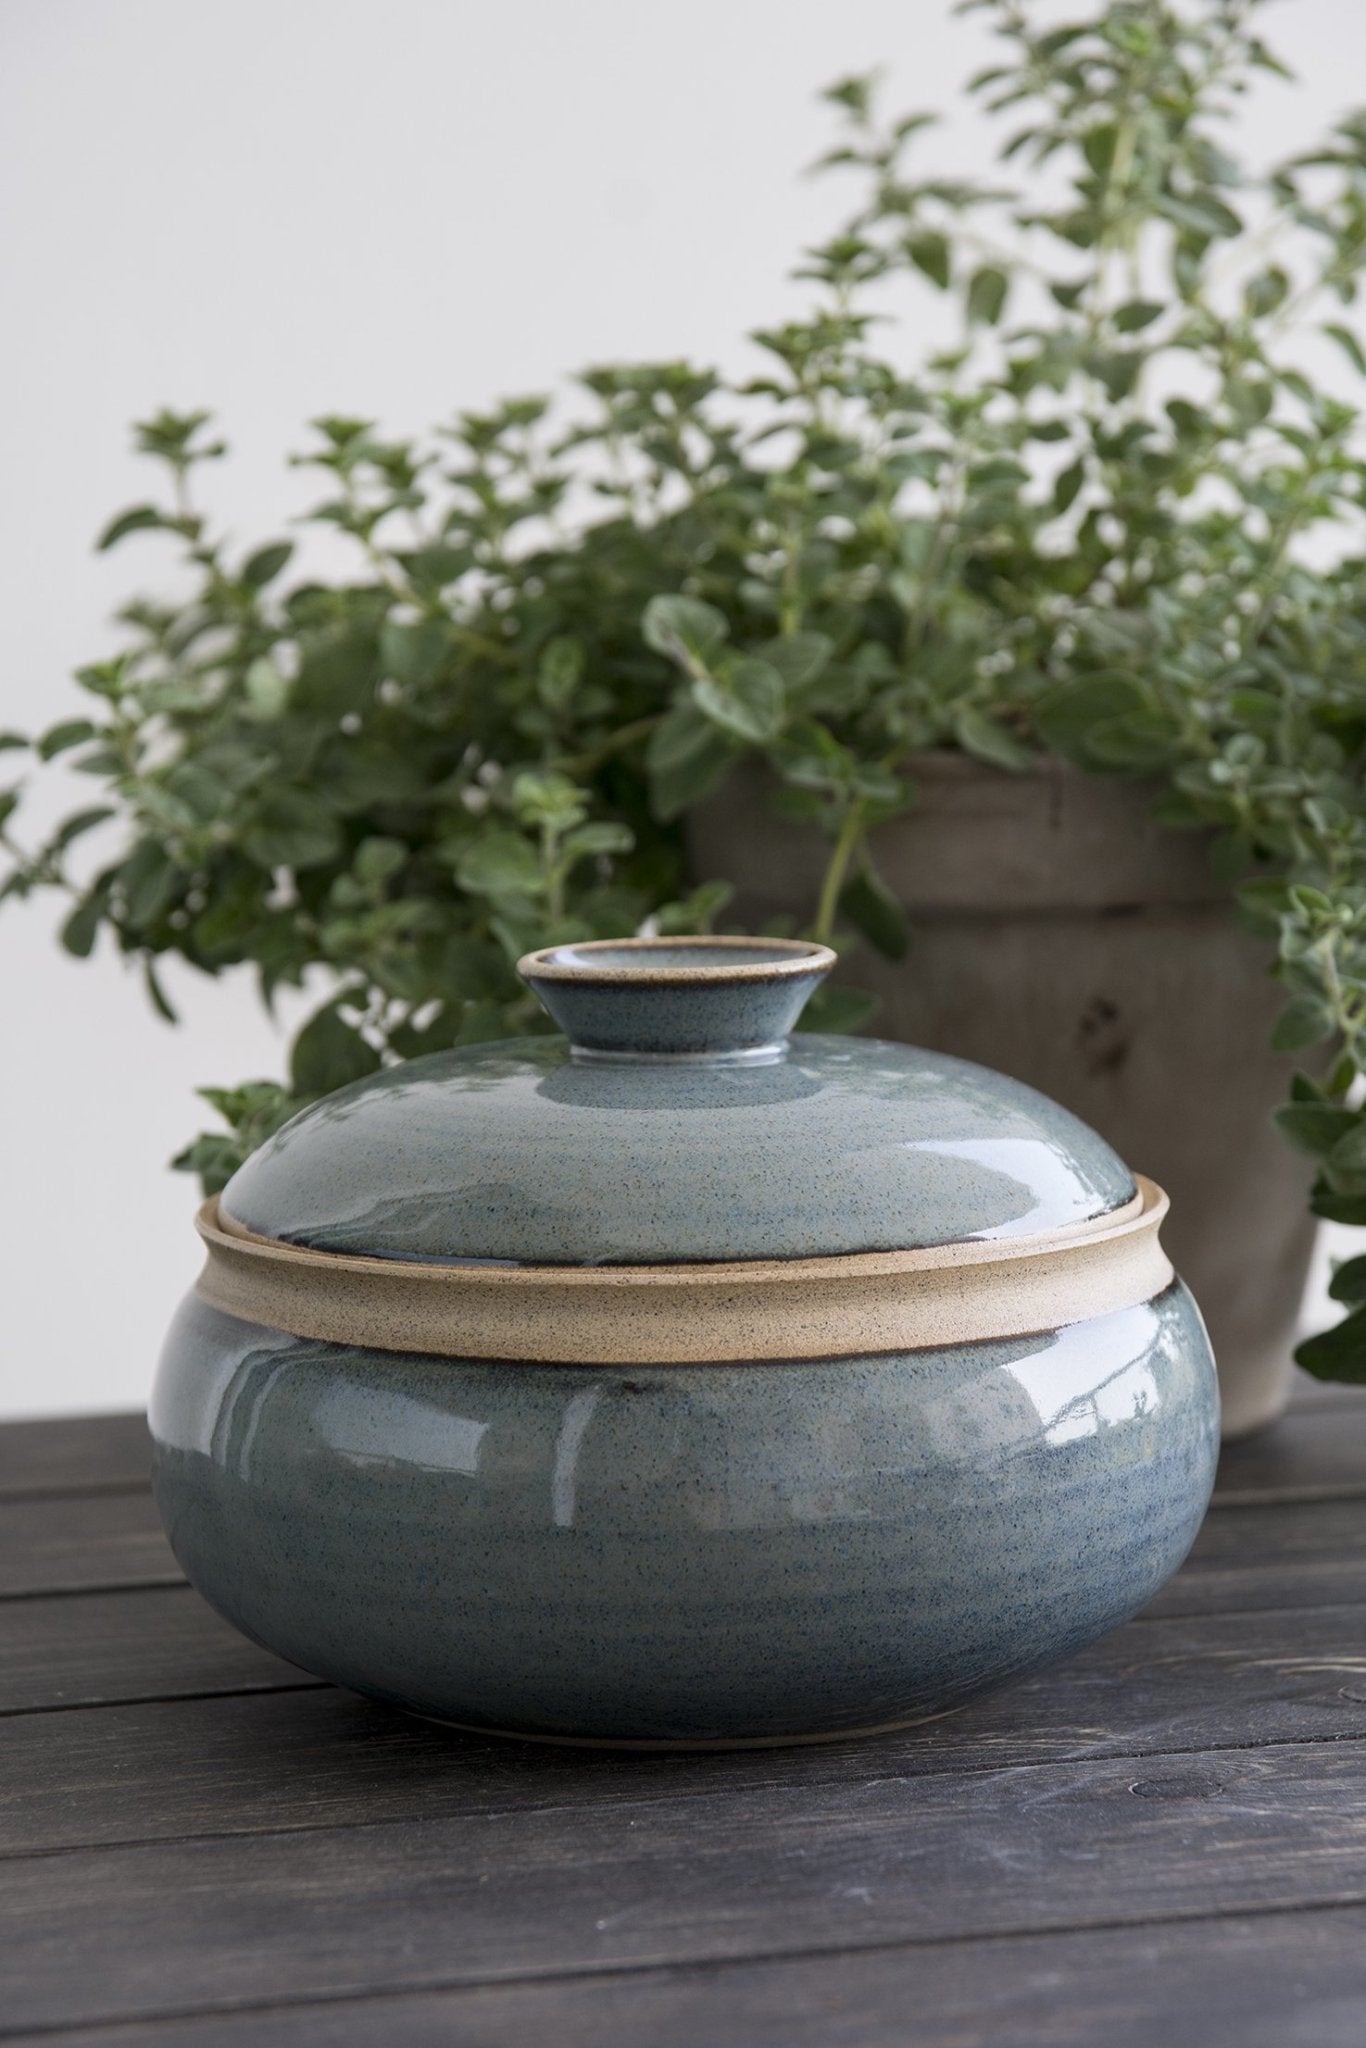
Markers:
<point>391,207</point>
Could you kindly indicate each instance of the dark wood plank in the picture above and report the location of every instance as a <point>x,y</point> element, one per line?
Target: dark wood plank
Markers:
<point>249,1763</point>
<point>1307,1392</point>
<point>1289,1554</point>
<point>150,1644</point>
<point>1254,1981</point>
<point>1316,1452</point>
<point>127,1933</point>
<point>63,1543</point>
<point>74,1453</point>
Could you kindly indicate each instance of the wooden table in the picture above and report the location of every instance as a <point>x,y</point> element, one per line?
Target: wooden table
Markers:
<point>1162,1843</point>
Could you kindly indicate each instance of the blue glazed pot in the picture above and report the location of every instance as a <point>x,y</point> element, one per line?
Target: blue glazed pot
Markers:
<point>805,1388</point>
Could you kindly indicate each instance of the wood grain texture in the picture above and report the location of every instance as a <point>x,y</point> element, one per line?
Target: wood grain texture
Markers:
<point>74,1454</point>
<point>247,1763</point>
<point>152,1643</point>
<point>1317,1452</point>
<point>1250,1981</point>
<point>777,1869</point>
<point>1289,1554</point>
<point>67,1543</point>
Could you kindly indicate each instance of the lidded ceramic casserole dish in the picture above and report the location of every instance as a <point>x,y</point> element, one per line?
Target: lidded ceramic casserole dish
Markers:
<point>682,1380</point>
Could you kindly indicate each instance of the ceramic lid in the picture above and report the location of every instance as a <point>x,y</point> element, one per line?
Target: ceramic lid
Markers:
<point>678,1123</point>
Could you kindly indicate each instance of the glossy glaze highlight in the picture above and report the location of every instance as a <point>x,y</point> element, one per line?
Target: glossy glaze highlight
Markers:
<point>684,1554</point>
<point>517,1151</point>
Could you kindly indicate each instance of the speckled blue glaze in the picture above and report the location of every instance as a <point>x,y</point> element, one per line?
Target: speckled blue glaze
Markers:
<point>679,1553</point>
<point>601,1012</point>
<point>518,1152</point>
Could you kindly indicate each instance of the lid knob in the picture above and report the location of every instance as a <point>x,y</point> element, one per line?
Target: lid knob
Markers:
<point>716,999</point>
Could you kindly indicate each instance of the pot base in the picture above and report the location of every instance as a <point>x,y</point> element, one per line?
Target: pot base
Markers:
<point>722,1742</point>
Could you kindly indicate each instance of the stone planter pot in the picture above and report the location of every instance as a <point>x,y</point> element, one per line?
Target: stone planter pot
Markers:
<point>1062,936</point>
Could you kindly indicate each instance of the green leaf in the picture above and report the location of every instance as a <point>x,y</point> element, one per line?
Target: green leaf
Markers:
<point>378,860</point>
<point>1202,213</point>
<point>500,864</point>
<point>1348,343</point>
<point>148,881</point>
<point>799,657</point>
<point>1314,1127</point>
<point>599,836</point>
<point>338,672</point>
<point>688,631</point>
<point>291,830</point>
<point>265,565</point>
<point>749,702</point>
<point>215,1157</point>
<point>1249,399</point>
<point>686,758</point>
<point>1068,714</point>
<point>81,928</point>
<point>72,732</point>
<point>1348,1155</point>
<point>1348,1283</point>
<point>872,909</point>
<point>267,691</point>
<point>80,822</point>
<point>328,1053</point>
<point>156,994</point>
<point>1067,484</point>
<point>1190,425</point>
<point>1336,1208</point>
<point>430,569</point>
<point>414,652</point>
<point>1267,290</point>
<point>1135,314</point>
<point>987,739</point>
<point>1136,741</point>
<point>1339,1353</point>
<point>1098,146</point>
<point>1117,370</point>
<point>1303,1022</point>
<point>987,289</point>
<point>139,519</point>
<point>839,1009</point>
<point>559,672</point>
<point>930,255</point>
<point>101,761</point>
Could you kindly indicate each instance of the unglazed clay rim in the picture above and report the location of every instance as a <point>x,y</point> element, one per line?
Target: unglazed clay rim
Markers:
<point>802,957</point>
<point>854,1305</point>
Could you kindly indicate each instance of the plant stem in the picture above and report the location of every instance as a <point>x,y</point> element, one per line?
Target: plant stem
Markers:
<point>837,868</point>
<point>615,743</point>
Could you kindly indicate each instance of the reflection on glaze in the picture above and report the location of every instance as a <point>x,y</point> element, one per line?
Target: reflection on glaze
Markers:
<point>684,1552</point>
<point>578,1414</point>
<point>398,1428</point>
<point>1043,1173</point>
<point>1073,1403</point>
<point>519,1153</point>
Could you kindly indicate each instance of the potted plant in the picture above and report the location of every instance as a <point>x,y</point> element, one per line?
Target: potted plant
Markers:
<point>909,599</point>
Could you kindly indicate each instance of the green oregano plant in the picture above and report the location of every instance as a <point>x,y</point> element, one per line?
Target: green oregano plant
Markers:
<point>1115,515</point>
